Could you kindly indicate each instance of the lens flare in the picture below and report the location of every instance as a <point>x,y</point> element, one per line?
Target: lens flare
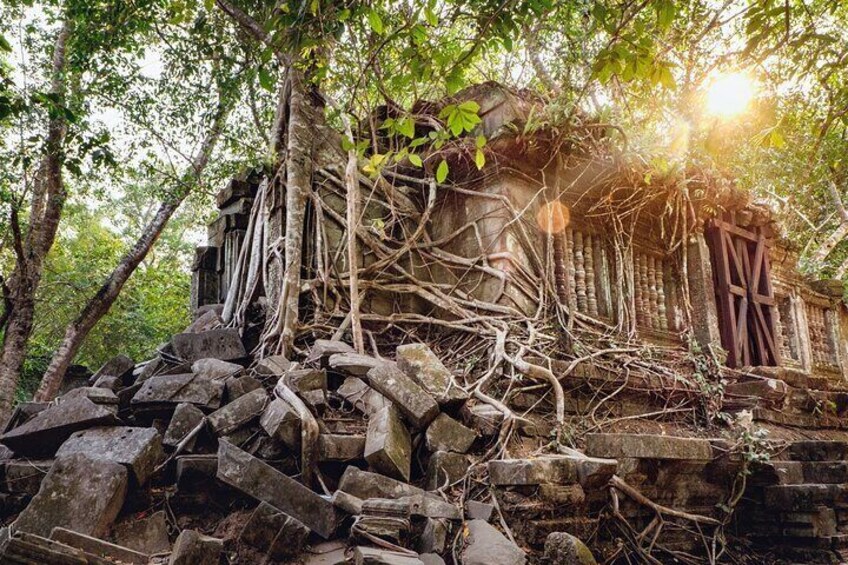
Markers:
<point>730,94</point>
<point>553,217</point>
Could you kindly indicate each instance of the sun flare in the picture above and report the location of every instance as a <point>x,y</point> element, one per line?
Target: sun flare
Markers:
<point>730,94</point>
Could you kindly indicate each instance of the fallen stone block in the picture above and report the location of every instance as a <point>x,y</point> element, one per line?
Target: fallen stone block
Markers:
<point>373,556</point>
<point>261,481</point>
<point>99,547</point>
<point>79,493</point>
<point>28,549</point>
<point>224,344</point>
<point>388,446</point>
<point>365,485</point>
<point>548,469</point>
<point>215,369</point>
<point>431,559</point>
<point>562,547</point>
<point>47,430</point>
<point>193,548</point>
<point>101,396</point>
<point>354,364</point>
<point>420,363</point>
<point>593,472</point>
<point>282,422</point>
<point>206,318</point>
<point>446,468</point>
<point>647,446</point>
<point>236,387</point>
<point>147,535</point>
<point>108,382</point>
<point>484,418</point>
<point>275,365</point>
<point>767,389</point>
<point>347,502</point>
<point>238,413</point>
<point>475,510</point>
<point>429,506</point>
<point>571,495</point>
<point>322,349</point>
<point>185,419</point>
<point>434,537</point>
<point>414,402</point>
<point>361,396</point>
<point>316,400</point>
<point>340,447</point>
<point>138,449</point>
<point>306,380</point>
<point>327,553</point>
<point>446,434</point>
<point>168,390</point>
<point>484,545</point>
<point>24,476</point>
<point>119,367</point>
<point>274,533</point>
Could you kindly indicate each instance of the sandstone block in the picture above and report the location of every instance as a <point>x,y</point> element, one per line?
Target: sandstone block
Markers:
<point>274,533</point>
<point>168,390</point>
<point>485,545</point>
<point>372,556</point>
<point>148,535</point>
<point>446,468</point>
<point>238,413</point>
<point>647,446</point>
<point>446,434</point>
<point>562,547</point>
<point>388,446</point>
<point>420,363</point>
<point>549,469</point>
<point>282,422</point>
<point>224,344</point>
<point>340,447</point>
<point>215,369</point>
<point>353,363</point>
<point>186,418</point>
<point>365,485</point>
<point>138,449</point>
<point>361,396</point>
<point>193,548</point>
<point>415,403</point>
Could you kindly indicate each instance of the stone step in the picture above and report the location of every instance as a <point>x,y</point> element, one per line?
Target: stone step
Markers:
<point>809,472</point>
<point>815,450</point>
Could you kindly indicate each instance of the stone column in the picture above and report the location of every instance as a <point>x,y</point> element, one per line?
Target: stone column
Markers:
<point>702,293</point>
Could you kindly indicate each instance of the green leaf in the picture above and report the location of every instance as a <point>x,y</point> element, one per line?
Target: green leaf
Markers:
<point>5,45</point>
<point>406,127</point>
<point>209,5</point>
<point>480,159</point>
<point>480,141</point>
<point>431,17</point>
<point>266,81</point>
<point>442,172</point>
<point>415,159</point>
<point>375,22</point>
<point>470,106</point>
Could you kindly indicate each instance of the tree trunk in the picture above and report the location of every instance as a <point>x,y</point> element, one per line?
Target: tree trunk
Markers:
<point>48,201</point>
<point>99,305</point>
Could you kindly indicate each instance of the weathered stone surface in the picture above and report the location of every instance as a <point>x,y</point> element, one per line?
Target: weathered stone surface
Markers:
<point>281,422</point>
<point>238,413</point>
<point>29,549</point>
<point>99,547</point>
<point>431,559</point>
<point>234,189</point>
<point>373,556</point>
<point>215,369</point>
<point>236,387</point>
<point>789,498</point>
<point>593,472</point>
<point>388,446</point>
<point>646,446</point>
<point>79,493</point>
<point>562,494</point>
<point>429,506</point>
<point>434,537</point>
<point>364,485</point>
<point>347,502</point>
<point>24,476</point>
<point>274,533</point>
<point>224,344</point>
<point>361,396</point>
<point>322,349</point>
<point>147,535</point>
<point>475,510</point>
<point>420,363</point>
<point>261,481</point>
<point>548,469</point>
<point>306,380</point>
<point>445,468</point>
<point>327,553</point>
<point>338,447</point>
<point>316,400</point>
<point>97,395</point>
<point>414,402</point>
<point>563,548</point>
<point>812,450</point>
<point>484,418</point>
<point>275,365</point>
<point>206,317</point>
<point>108,382</point>
<point>186,418</point>
<point>139,449</point>
<point>118,367</point>
<point>175,389</point>
<point>194,548</point>
<point>446,434</point>
<point>767,389</point>
<point>484,545</point>
<point>47,430</point>
<point>354,363</point>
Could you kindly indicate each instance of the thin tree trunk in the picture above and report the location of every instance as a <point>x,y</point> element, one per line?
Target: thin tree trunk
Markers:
<point>99,305</point>
<point>839,233</point>
<point>45,212</point>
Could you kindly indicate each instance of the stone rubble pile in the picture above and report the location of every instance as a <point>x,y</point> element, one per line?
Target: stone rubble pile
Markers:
<point>191,458</point>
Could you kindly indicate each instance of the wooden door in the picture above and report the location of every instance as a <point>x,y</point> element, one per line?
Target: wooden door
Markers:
<point>744,293</point>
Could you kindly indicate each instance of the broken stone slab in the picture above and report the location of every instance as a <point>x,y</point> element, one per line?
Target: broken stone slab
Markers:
<point>361,396</point>
<point>446,468</point>
<point>147,535</point>
<point>593,472</point>
<point>365,485</point>
<point>562,547</point>
<point>354,364</point>
<point>138,449</point>
<point>428,506</point>
<point>347,503</point>
<point>446,434</point>
<point>306,380</point>
<point>484,418</point>
<point>475,510</point>
<point>119,367</point>
<point>193,548</point>
<point>274,533</point>
<point>434,537</point>
<point>236,387</point>
<point>208,319</point>
<point>484,545</point>
<point>316,400</point>
<point>28,549</point>
<point>549,469</point>
<point>224,344</point>
<point>168,390</point>
<point>47,430</point>
<point>388,446</point>
<point>108,382</point>
<point>817,450</point>
<point>372,556</point>
<point>767,389</point>
<point>186,417</point>
<point>255,478</point>
<point>99,547</point>
<point>275,365</point>
<point>24,476</point>
<point>79,493</point>
<point>101,396</point>
<point>24,412</point>
<point>420,363</point>
<point>647,446</point>
<point>282,422</point>
<point>431,559</point>
<point>238,413</point>
<point>233,190</point>
<point>327,553</point>
<point>215,369</point>
<point>414,402</point>
<point>340,447</point>
<point>323,349</point>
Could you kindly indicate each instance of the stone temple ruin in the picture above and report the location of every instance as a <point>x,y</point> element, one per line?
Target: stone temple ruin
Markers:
<point>670,326</point>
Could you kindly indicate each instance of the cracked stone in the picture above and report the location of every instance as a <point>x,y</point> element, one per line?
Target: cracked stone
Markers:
<point>414,402</point>
<point>420,363</point>
<point>446,434</point>
<point>388,446</point>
